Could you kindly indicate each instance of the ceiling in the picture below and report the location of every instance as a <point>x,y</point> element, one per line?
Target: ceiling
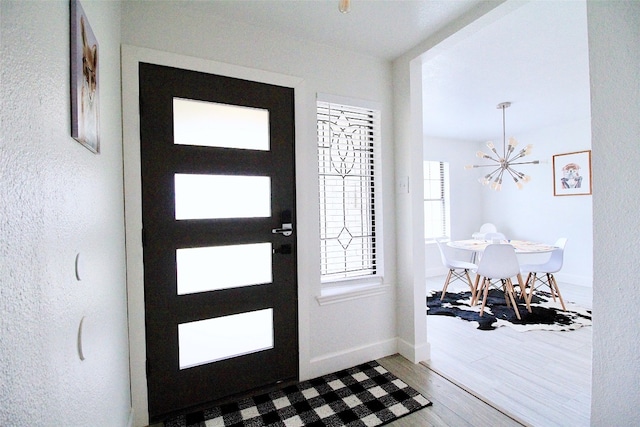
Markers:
<point>381,28</point>
<point>534,57</point>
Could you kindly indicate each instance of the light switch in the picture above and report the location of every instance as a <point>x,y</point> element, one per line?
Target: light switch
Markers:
<point>403,185</point>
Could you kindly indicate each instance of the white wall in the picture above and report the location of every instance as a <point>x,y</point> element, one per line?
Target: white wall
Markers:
<point>534,213</point>
<point>58,200</point>
<point>466,196</point>
<point>614,62</point>
<point>331,336</point>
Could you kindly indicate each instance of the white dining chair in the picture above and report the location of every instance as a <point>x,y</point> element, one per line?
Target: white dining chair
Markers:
<point>458,270</point>
<point>546,270</point>
<point>490,237</point>
<point>499,263</point>
<point>485,228</point>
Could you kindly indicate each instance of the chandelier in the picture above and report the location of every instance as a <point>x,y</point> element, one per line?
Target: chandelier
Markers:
<point>504,164</point>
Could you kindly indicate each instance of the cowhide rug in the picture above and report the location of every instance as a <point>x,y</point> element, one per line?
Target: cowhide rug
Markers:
<point>545,314</point>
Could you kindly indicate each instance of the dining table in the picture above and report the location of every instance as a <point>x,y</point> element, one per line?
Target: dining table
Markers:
<point>520,246</point>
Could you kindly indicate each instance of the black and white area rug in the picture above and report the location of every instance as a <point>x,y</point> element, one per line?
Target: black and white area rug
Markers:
<point>365,395</point>
<point>546,314</point>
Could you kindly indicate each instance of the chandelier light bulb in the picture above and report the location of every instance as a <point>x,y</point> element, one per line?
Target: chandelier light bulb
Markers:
<point>467,167</point>
<point>519,185</point>
<point>513,142</point>
<point>481,155</point>
<point>490,145</point>
<point>344,6</point>
<point>528,149</point>
<point>526,178</point>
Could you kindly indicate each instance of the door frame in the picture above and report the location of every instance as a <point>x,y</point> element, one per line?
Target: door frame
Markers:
<point>131,56</point>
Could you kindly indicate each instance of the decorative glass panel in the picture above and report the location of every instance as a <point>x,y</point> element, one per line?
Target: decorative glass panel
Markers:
<point>211,124</point>
<point>220,338</point>
<point>223,267</point>
<point>222,196</point>
<point>347,138</point>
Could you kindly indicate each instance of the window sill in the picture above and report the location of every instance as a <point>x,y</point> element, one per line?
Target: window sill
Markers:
<point>351,291</point>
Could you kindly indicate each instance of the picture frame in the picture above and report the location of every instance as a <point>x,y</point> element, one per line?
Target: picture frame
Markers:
<point>572,174</point>
<point>85,88</point>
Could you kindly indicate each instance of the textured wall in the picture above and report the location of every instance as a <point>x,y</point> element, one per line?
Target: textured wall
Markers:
<point>614,57</point>
<point>58,200</point>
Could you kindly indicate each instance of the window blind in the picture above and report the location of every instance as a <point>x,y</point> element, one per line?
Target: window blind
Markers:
<point>347,138</point>
<point>435,200</point>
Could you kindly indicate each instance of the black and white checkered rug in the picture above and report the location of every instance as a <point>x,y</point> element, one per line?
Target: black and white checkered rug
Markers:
<point>365,395</point>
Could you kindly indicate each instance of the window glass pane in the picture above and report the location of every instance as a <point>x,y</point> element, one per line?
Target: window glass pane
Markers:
<point>436,199</point>
<point>218,125</point>
<point>223,267</point>
<point>347,137</point>
<point>221,338</point>
<point>222,196</point>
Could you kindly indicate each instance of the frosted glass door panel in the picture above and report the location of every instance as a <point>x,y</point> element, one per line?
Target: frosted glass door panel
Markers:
<point>220,338</point>
<point>223,267</point>
<point>222,196</point>
<point>211,124</point>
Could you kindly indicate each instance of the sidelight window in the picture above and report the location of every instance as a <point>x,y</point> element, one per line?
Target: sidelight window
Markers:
<point>347,145</point>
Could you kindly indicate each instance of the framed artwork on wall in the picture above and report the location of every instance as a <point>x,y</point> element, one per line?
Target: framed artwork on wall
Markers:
<point>572,174</point>
<point>85,117</point>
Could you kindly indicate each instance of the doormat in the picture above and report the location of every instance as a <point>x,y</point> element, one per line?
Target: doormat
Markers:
<point>546,314</point>
<point>365,395</point>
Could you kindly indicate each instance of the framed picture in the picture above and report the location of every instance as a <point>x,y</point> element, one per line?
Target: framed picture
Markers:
<point>85,115</point>
<point>572,173</point>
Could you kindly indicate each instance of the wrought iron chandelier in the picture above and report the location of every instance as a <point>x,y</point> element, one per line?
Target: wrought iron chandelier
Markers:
<point>504,164</point>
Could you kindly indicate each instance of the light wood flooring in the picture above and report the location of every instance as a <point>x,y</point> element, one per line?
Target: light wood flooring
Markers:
<point>540,378</point>
<point>452,405</point>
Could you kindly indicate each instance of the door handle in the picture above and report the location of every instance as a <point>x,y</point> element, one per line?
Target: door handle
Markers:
<point>286,230</point>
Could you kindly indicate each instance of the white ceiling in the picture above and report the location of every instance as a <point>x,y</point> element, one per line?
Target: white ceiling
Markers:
<point>535,57</point>
<point>381,28</point>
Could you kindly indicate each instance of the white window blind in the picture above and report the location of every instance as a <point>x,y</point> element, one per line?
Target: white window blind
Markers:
<point>436,200</point>
<point>347,139</point>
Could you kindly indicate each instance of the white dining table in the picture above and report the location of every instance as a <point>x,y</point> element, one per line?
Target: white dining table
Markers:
<point>520,246</point>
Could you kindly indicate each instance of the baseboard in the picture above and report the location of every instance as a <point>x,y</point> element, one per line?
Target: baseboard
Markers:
<point>130,421</point>
<point>574,279</point>
<point>414,353</point>
<point>332,362</point>
<point>435,272</point>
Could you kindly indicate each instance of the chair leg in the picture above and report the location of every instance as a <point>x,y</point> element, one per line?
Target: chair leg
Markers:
<point>523,287</point>
<point>555,289</point>
<point>485,285</point>
<point>466,272</point>
<point>531,283</point>
<point>474,291</point>
<point>520,287</point>
<point>446,284</point>
<point>511,292</point>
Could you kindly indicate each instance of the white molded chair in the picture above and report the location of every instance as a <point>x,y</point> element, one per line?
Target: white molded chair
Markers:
<point>485,228</point>
<point>454,267</point>
<point>553,265</point>
<point>499,262</point>
<point>494,236</point>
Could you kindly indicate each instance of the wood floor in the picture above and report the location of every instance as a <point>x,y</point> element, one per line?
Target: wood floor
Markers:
<point>452,406</point>
<point>540,378</point>
<point>500,378</point>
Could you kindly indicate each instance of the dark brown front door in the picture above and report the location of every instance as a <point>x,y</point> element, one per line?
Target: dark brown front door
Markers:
<point>218,210</point>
